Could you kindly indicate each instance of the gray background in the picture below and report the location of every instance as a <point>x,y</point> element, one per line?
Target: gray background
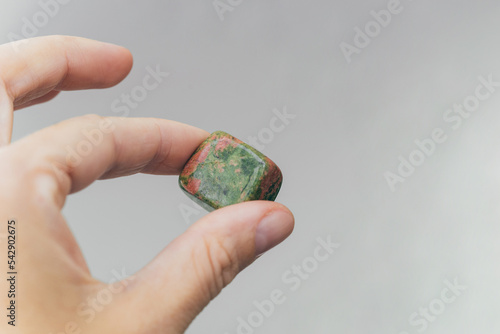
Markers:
<point>353,121</point>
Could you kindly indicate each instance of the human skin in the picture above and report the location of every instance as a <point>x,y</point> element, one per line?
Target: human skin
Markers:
<point>36,176</point>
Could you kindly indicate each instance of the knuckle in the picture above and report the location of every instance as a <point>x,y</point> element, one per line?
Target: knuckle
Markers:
<point>60,41</point>
<point>35,182</point>
<point>46,181</point>
<point>83,121</point>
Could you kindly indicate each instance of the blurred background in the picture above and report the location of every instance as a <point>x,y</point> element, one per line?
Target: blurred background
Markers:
<point>383,116</point>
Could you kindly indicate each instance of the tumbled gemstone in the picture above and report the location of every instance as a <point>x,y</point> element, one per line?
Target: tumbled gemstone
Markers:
<point>224,170</point>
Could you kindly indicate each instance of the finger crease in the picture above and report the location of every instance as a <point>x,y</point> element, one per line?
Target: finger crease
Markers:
<point>66,72</point>
<point>155,161</point>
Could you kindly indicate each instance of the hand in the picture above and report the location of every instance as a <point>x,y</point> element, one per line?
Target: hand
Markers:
<point>54,280</point>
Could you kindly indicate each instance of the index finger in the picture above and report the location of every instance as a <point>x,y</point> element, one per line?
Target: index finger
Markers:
<point>74,153</point>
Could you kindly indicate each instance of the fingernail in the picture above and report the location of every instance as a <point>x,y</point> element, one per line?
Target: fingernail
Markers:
<point>273,229</point>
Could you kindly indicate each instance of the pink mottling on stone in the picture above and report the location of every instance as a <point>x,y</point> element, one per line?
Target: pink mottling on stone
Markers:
<point>195,160</point>
<point>204,153</point>
<point>193,185</point>
<point>222,143</point>
<point>220,166</point>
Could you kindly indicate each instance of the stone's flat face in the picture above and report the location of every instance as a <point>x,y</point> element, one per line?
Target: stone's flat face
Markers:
<point>224,170</point>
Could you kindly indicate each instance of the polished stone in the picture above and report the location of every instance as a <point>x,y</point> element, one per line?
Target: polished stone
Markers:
<point>224,170</point>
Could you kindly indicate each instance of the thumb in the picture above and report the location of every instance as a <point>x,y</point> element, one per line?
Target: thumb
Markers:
<point>196,266</point>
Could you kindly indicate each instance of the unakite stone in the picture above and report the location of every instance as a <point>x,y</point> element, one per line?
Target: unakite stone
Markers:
<point>224,170</point>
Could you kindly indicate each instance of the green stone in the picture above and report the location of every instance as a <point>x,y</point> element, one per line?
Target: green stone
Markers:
<point>224,170</point>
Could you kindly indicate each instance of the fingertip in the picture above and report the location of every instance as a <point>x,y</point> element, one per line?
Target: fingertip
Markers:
<point>126,55</point>
<point>91,63</point>
<point>257,225</point>
<point>118,62</point>
<point>276,225</point>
